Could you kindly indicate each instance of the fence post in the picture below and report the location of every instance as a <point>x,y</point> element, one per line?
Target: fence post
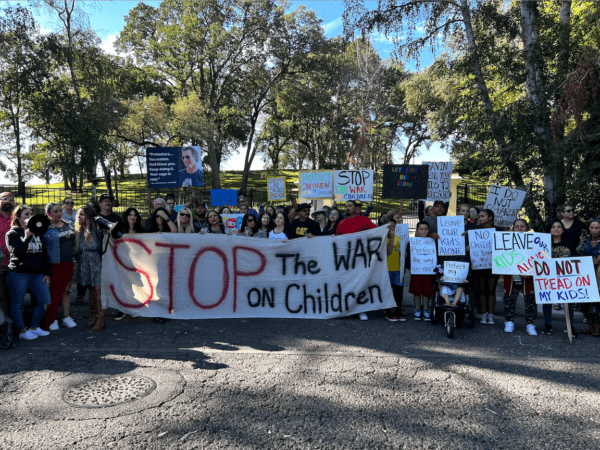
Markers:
<point>22,192</point>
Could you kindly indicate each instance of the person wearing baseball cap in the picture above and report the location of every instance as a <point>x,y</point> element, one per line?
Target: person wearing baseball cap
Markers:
<point>303,225</point>
<point>106,209</point>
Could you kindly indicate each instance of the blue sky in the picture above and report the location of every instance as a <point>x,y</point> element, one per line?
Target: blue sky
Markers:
<point>107,17</point>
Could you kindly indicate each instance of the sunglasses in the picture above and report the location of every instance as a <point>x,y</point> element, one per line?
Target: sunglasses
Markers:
<point>186,157</point>
<point>568,210</point>
<point>251,220</point>
<point>69,203</point>
<point>184,215</point>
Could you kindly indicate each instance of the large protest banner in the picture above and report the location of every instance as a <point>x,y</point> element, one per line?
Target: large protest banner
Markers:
<point>404,181</point>
<point>276,188</point>
<point>402,232</point>
<point>480,248</point>
<point>190,276</point>
<point>438,185</point>
<point>450,230</point>
<point>353,185</point>
<point>316,184</point>
<point>171,167</point>
<point>565,280</point>
<point>423,258</point>
<point>506,204</point>
<point>514,253</point>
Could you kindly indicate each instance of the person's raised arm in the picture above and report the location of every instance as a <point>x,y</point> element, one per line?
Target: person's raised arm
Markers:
<point>421,212</point>
<point>391,238</point>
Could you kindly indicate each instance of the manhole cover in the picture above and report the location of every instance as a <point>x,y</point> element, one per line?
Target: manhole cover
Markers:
<point>105,392</point>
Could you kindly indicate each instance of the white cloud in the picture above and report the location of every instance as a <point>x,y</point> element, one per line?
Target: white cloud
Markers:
<point>108,44</point>
<point>334,28</point>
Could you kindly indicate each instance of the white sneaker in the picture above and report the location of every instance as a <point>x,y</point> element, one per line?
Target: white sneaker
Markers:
<point>363,316</point>
<point>531,330</point>
<point>484,318</point>
<point>509,327</point>
<point>491,319</point>
<point>54,326</point>
<point>68,322</point>
<point>28,335</point>
<point>39,332</point>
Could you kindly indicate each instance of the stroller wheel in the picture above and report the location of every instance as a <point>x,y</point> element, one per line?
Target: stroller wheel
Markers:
<point>5,342</point>
<point>450,325</point>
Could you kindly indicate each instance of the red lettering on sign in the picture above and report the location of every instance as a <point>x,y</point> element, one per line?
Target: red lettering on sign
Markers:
<point>191,277</point>
<point>171,267</point>
<point>132,269</point>
<point>237,273</point>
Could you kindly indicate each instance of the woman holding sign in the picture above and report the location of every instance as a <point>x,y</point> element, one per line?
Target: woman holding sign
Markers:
<point>590,246</point>
<point>215,224</point>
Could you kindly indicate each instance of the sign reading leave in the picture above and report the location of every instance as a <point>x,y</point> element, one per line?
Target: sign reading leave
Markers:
<point>506,204</point>
<point>404,181</point>
<point>353,185</point>
<point>438,185</point>
<point>423,259</point>
<point>276,188</point>
<point>450,230</point>
<point>480,246</point>
<point>514,253</point>
<point>565,280</point>
<point>316,184</point>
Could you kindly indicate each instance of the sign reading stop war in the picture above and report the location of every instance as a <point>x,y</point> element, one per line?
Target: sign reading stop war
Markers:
<point>450,230</point>
<point>353,185</point>
<point>506,204</point>
<point>480,248</point>
<point>423,258</point>
<point>514,253</point>
<point>438,185</point>
<point>192,276</point>
<point>565,280</point>
<point>316,184</point>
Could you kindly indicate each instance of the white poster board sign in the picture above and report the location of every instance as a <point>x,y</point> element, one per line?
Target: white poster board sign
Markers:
<point>353,185</point>
<point>276,188</point>
<point>450,230</point>
<point>316,184</point>
<point>438,185</point>
<point>423,258</point>
<point>480,248</point>
<point>506,204</point>
<point>565,280</point>
<point>455,271</point>
<point>513,253</point>
<point>402,233</point>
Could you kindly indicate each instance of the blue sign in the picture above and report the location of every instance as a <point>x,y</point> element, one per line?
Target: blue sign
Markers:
<point>222,197</point>
<point>173,167</point>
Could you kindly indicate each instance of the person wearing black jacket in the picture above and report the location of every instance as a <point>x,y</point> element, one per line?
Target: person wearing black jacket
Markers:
<point>29,268</point>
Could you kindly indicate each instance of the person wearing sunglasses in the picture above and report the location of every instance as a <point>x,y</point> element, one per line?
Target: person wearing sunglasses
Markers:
<point>250,227</point>
<point>572,227</point>
<point>192,174</point>
<point>68,214</point>
<point>184,221</point>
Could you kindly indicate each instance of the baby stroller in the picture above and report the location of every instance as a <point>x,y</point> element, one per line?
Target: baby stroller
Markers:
<point>451,316</point>
<point>5,331</point>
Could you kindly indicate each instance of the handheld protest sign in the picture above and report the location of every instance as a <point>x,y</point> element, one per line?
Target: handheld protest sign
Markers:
<point>404,181</point>
<point>353,185</point>
<point>450,230</point>
<point>423,258</point>
<point>455,271</point>
<point>513,253</point>
<point>565,280</point>
<point>315,184</point>
<point>402,232</point>
<point>173,167</point>
<point>223,197</point>
<point>232,221</point>
<point>438,185</point>
<point>480,248</point>
<point>276,188</point>
<point>506,204</point>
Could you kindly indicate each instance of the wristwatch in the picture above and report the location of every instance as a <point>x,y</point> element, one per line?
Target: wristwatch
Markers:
<point>167,220</point>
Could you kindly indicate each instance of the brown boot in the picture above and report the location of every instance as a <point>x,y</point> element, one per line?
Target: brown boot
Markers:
<point>100,313</point>
<point>93,310</point>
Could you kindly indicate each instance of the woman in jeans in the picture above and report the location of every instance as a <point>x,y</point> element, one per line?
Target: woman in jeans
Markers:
<point>29,268</point>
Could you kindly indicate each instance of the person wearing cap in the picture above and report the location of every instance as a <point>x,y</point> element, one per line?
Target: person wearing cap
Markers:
<point>353,222</point>
<point>242,201</point>
<point>200,221</point>
<point>438,210</point>
<point>106,209</point>
<point>322,217</point>
<point>303,225</point>
<point>7,204</point>
<point>359,206</point>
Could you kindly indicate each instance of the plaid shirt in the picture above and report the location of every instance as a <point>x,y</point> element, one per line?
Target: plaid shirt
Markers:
<point>4,228</point>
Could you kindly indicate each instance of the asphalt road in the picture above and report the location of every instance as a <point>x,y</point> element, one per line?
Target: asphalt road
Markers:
<point>331,384</point>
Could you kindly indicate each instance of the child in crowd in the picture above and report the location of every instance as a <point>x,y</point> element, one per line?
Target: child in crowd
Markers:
<point>421,286</point>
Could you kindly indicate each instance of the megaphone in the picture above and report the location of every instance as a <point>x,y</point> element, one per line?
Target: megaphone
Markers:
<point>38,224</point>
<point>117,230</point>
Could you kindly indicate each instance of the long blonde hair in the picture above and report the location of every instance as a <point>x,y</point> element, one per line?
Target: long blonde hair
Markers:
<point>190,225</point>
<point>89,215</point>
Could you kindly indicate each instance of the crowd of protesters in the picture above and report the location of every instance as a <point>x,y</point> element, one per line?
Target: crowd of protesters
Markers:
<point>72,247</point>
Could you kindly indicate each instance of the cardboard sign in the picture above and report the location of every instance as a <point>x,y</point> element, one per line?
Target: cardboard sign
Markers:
<point>438,185</point>
<point>232,221</point>
<point>404,181</point>
<point>402,233</point>
<point>172,167</point>
<point>423,258</point>
<point>565,280</point>
<point>316,184</point>
<point>276,188</point>
<point>353,185</point>
<point>186,276</point>
<point>514,253</point>
<point>223,197</point>
<point>455,272</point>
<point>506,204</point>
<point>480,245</point>
<point>450,230</point>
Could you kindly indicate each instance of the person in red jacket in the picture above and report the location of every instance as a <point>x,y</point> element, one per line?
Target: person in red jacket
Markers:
<point>354,222</point>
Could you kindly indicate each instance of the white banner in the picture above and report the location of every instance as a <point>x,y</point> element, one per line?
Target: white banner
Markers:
<point>480,248</point>
<point>565,280</point>
<point>513,253</point>
<point>506,204</point>
<point>192,276</point>
<point>450,230</point>
<point>402,233</point>
<point>423,258</point>
<point>438,184</point>
<point>455,271</point>
<point>353,185</point>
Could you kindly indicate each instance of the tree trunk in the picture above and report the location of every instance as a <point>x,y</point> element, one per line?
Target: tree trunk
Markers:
<point>107,172</point>
<point>213,160</point>
<point>250,152</point>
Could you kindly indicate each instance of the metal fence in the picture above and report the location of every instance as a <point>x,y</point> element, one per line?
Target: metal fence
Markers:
<point>472,194</point>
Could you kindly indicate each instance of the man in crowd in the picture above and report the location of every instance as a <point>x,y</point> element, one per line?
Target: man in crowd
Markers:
<point>170,199</point>
<point>242,201</point>
<point>158,203</point>
<point>192,174</point>
<point>200,219</point>
<point>7,204</point>
<point>68,212</point>
<point>438,210</point>
<point>106,209</point>
<point>303,225</point>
